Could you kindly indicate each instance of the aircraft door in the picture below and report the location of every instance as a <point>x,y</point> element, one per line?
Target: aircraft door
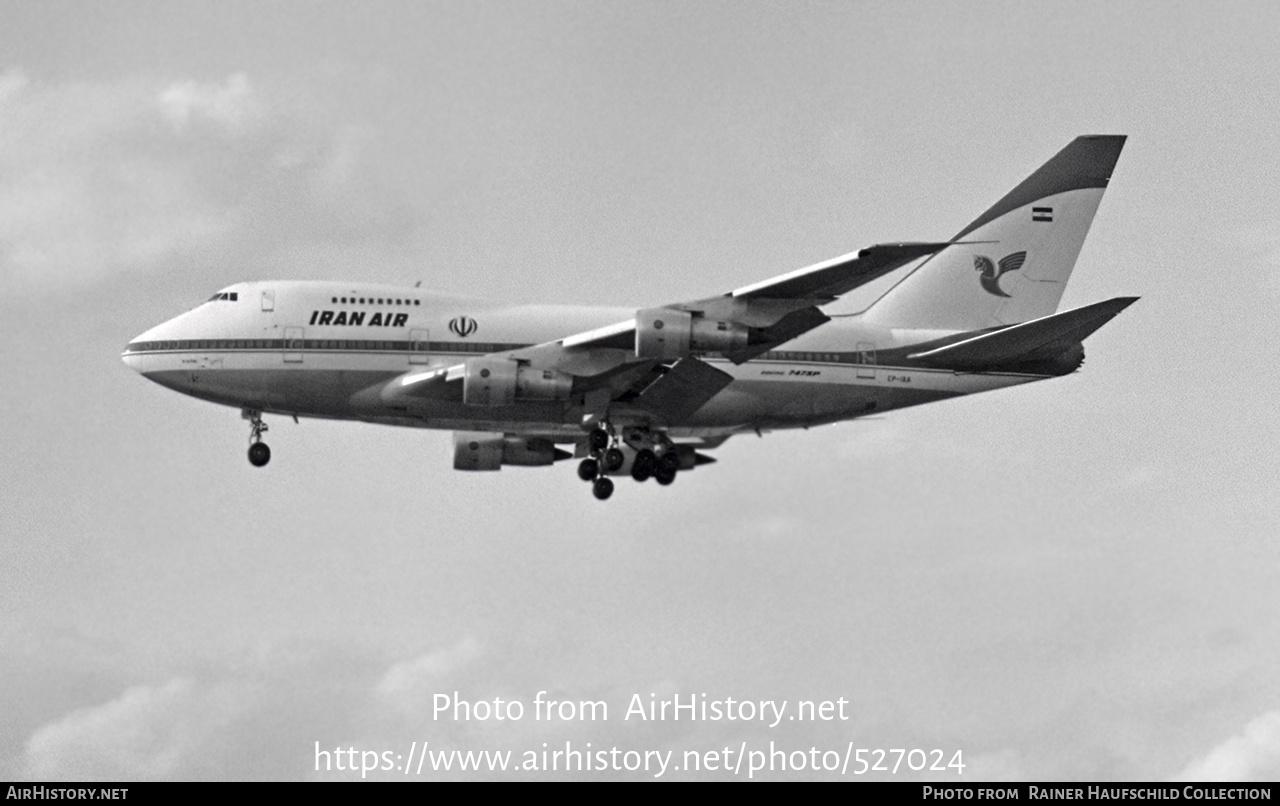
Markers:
<point>866,360</point>
<point>268,300</point>
<point>419,343</point>
<point>293,343</point>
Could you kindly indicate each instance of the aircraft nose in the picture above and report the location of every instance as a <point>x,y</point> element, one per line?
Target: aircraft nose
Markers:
<point>133,355</point>
<point>130,358</point>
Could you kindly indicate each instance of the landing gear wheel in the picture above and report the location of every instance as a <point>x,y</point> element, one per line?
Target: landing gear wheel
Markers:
<point>599,439</point>
<point>644,465</point>
<point>603,488</point>
<point>588,469</point>
<point>613,459</point>
<point>665,476</point>
<point>259,454</point>
<point>670,461</point>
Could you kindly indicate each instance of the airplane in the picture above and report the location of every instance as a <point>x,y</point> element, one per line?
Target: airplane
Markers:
<point>646,392</point>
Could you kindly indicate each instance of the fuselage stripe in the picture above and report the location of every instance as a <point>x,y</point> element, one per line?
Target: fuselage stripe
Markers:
<point>437,347</point>
<point>349,346</point>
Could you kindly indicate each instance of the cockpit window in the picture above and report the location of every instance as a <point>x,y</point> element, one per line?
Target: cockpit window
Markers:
<point>226,296</point>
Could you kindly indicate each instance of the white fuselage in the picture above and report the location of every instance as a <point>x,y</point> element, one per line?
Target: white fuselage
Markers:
<point>320,349</point>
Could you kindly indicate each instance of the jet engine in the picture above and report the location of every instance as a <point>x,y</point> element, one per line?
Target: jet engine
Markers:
<point>666,334</point>
<point>503,381</point>
<point>485,450</point>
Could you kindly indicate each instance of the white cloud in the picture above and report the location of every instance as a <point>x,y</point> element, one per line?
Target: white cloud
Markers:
<point>1254,755</point>
<point>410,685</point>
<point>255,724</point>
<point>147,733</point>
<point>12,83</point>
<point>104,178</point>
<point>233,106</point>
<point>94,185</point>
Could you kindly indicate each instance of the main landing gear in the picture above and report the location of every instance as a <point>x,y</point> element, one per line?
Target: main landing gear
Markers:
<point>648,464</point>
<point>654,456</point>
<point>259,453</point>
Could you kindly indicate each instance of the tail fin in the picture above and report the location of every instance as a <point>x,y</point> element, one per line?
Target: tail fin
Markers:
<point>1016,258</point>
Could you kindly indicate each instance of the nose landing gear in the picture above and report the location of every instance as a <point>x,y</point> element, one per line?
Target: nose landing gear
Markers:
<point>259,453</point>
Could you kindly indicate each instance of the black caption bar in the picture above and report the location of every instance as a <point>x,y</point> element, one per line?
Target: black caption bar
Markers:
<point>1190,793</point>
<point>161,791</point>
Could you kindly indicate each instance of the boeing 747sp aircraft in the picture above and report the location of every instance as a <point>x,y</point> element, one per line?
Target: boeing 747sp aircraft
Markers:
<point>643,393</point>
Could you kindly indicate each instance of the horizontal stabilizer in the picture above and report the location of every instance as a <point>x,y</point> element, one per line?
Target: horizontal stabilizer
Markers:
<point>1030,341</point>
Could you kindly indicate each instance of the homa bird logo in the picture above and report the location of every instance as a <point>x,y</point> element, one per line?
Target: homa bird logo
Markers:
<point>463,326</point>
<point>991,272</point>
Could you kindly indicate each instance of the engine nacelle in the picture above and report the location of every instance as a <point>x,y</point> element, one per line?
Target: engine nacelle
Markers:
<point>485,450</point>
<point>477,450</point>
<point>688,457</point>
<point>530,452</point>
<point>504,381</point>
<point>666,334</point>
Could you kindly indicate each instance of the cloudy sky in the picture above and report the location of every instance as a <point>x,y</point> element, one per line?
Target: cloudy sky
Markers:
<point>1071,580</point>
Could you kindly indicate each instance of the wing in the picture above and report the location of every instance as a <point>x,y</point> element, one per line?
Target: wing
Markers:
<point>779,309</point>
<point>829,279</point>
<point>649,364</point>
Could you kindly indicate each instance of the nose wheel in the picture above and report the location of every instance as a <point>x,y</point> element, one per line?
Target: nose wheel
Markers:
<point>259,453</point>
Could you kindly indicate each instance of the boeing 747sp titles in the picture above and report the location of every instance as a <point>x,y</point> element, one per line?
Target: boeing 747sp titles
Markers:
<point>643,393</point>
